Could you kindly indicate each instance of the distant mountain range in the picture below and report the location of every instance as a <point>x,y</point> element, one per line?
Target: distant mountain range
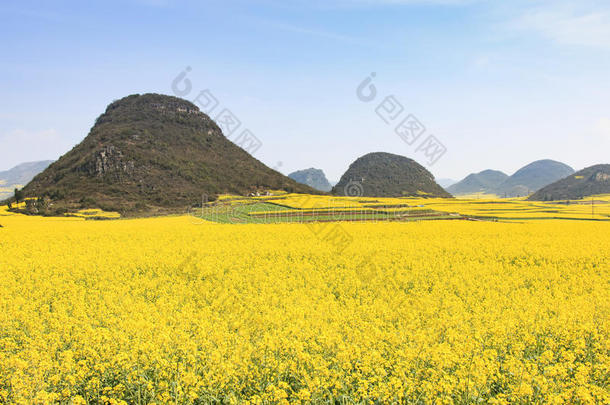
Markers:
<point>314,178</point>
<point>533,177</point>
<point>24,172</point>
<point>383,174</point>
<point>444,183</point>
<point>20,175</point>
<point>525,181</point>
<point>485,182</point>
<point>154,154</point>
<point>593,180</point>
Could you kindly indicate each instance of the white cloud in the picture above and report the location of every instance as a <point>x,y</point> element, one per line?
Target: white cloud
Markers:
<point>582,23</point>
<point>585,24</point>
<point>310,32</point>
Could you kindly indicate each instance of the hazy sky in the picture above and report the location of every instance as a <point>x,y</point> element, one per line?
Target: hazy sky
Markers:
<point>498,83</point>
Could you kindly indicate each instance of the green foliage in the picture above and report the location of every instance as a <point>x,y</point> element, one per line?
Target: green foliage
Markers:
<point>18,195</point>
<point>88,202</point>
<point>387,175</point>
<point>156,153</point>
<point>593,180</point>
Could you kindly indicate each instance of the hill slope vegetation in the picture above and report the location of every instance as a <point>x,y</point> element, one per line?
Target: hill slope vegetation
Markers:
<point>153,152</point>
<point>593,180</point>
<point>383,174</point>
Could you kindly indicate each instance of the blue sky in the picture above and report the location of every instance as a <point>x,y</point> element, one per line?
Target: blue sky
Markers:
<point>499,84</point>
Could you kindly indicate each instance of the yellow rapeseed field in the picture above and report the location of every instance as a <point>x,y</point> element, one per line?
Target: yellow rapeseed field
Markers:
<point>164,310</point>
<point>506,209</point>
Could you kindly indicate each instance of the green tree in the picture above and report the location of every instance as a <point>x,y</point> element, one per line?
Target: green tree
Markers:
<point>18,195</point>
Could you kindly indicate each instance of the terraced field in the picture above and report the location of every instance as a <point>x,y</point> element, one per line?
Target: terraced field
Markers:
<point>308,208</point>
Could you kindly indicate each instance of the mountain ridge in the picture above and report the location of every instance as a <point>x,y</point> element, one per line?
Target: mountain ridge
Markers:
<point>19,175</point>
<point>533,177</point>
<point>312,177</point>
<point>523,182</point>
<point>24,172</point>
<point>485,181</point>
<point>587,182</point>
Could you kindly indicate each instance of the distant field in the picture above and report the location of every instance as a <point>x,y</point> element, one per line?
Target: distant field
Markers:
<point>308,208</point>
<point>269,212</point>
<point>7,191</point>
<point>284,207</point>
<point>477,196</point>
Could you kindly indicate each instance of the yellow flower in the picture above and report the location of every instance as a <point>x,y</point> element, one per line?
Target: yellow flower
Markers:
<point>161,310</point>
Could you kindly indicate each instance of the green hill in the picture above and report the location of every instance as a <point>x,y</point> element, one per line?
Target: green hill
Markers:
<point>484,182</point>
<point>383,174</point>
<point>153,153</point>
<point>533,177</point>
<point>587,182</point>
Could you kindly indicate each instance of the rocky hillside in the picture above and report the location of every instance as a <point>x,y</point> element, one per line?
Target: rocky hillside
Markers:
<point>314,178</point>
<point>383,174</point>
<point>153,153</point>
<point>593,180</point>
